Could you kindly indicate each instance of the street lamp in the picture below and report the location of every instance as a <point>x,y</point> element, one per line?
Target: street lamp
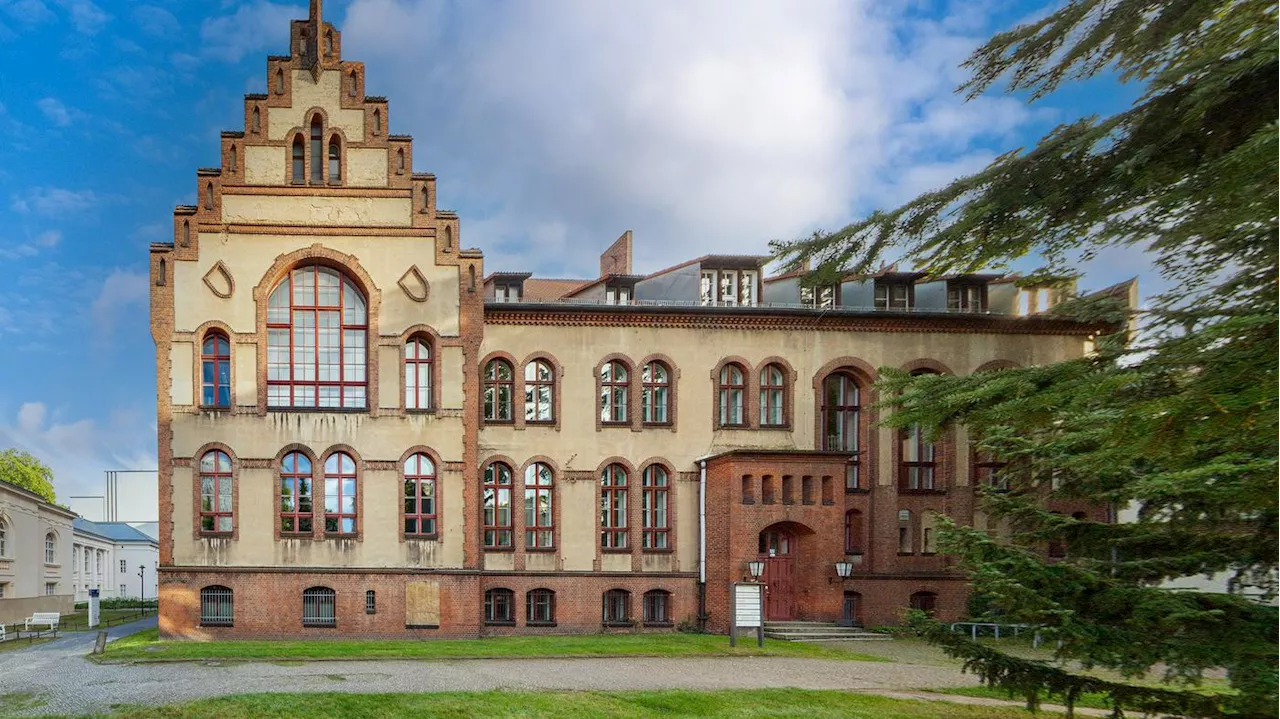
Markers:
<point>844,569</point>
<point>755,568</point>
<point>142,589</point>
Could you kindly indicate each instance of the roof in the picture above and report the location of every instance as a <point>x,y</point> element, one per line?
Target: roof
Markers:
<point>114,531</point>
<point>588,284</point>
<point>32,495</point>
<point>543,289</point>
<point>719,261</point>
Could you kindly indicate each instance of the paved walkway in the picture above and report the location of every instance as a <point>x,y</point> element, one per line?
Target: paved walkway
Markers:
<point>58,674</point>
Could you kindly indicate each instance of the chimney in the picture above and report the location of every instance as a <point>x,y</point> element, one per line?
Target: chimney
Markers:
<point>617,259</point>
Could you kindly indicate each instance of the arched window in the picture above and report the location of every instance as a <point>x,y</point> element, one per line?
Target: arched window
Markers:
<point>417,373</point>
<point>377,122</point>
<point>317,329</point>
<point>231,154</point>
<point>50,548</point>
<point>928,532</point>
<point>842,422</point>
<point>217,606</point>
<point>540,607</point>
<point>657,607</point>
<point>255,123</point>
<point>426,203</point>
<point>4,539</point>
<point>773,392</point>
<point>162,273</point>
<point>539,392</point>
<point>299,161</point>
<point>295,494</point>
<point>340,494</point>
<point>279,82</point>
<point>497,506</point>
<point>215,492</point>
<point>208,195</point>
<point>617,607</point>
<point>499,387</point>
<point>614,387</point>
<point>655,522</point>
<point>328,43</point>
<point>853,532</point>
<point>539,515</point>
<point>186,233</point>
<point>400,161</point>
<point>355,80</point>
<point>904,532</point>
<point>448,238</point>
<point>497,607</point>
<point>613,507</point>
<point>335,161</point>
<point>924,601</point>
<point>471,278</point>
<point>215,370</point>
<point>419,496</point>
<point>319,605</point>
<point>317,150</point>
<point>655,398</point>
<point>732,388</point>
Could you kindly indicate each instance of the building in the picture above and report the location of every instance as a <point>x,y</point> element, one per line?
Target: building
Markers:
<point>360,433</point>
<point>115,558</point>
<point>35,548</point>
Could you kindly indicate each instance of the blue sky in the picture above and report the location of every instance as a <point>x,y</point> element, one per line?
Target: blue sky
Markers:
<point>553,126</point>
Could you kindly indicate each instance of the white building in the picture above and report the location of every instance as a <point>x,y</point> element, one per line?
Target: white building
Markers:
<point>35,555</point>
<point>93,562</point>
<point>134,559</point>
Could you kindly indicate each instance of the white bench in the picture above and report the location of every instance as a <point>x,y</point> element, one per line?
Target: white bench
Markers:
<point>47,618</point>
<point>3,637</point>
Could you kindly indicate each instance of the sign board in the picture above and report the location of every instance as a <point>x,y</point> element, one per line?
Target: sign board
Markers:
<point>746,609</point>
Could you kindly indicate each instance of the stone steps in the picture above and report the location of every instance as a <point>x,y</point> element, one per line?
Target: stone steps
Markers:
<point>820,632</point>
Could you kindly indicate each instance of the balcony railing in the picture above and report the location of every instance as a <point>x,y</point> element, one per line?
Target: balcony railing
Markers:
<point>693,305</point>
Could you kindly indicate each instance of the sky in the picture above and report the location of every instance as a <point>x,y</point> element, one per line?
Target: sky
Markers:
<point>703,126</point>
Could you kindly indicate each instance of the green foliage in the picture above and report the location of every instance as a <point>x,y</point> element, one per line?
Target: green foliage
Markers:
<point>26,471</point>
<point>1178,420</point>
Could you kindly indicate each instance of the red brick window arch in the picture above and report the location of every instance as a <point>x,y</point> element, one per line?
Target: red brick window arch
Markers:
<point>299,162</point>
<point>317,334</point>
<point>296,510</point>
<point>654,514</point>
<point>657,607</point>
<point>655,379</point>
<point>317,150</point>
<point>539,391</point>
<point>613,507</point>
<point>499,389</point>
<point>498,606</point>
<point>615,386</point>
<point>497,506</point>
<point>732,396</point>
<point>773,396</point>
<point>335,161</point>
<point>539,509</point>
<point>616,608</point>
<point>417,373</point>
<point>215,370</point>
<point>215,493</point>
<point>340,506</point>
<point>540,607</point>
<point>419,496</point>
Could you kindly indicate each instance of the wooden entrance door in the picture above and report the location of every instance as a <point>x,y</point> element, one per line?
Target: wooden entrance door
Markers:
<point>779,574</point>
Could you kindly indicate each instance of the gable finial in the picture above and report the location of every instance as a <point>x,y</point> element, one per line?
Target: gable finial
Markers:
<point>315,26</point>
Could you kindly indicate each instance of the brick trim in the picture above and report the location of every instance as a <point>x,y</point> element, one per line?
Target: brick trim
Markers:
<point>633,535</point>
<point>996,364</point>
<point>633,393</point>
<point>433,345</point>
<point>750,388</point>
<point>673,393</point>
<point>196,365</point>
<point>361,468</point>
<point>517,501</point>
<point>557,375</point>
<point>515,372</point>
<point>439,493</point>
<point>788,392</point>
<point>516,506</point>
<point>868,396</point>
<point>673,504</point>
<point>277,463</point>
<point>196,532</point>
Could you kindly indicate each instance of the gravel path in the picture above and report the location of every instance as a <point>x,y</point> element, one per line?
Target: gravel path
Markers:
<point>69,684</point>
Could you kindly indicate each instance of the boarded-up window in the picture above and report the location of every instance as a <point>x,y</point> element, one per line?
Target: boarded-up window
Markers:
<point>421,605</point>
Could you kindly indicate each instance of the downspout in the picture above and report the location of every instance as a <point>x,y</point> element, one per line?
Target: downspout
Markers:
<point>702,545</point>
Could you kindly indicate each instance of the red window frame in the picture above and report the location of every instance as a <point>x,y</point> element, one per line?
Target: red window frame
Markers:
<point>215,371</point>
<point>420,503</point>
<point>842,408</point>
<point>615,386</point>
<point>499,606</point>
<point>728,386</point>
<point>540,607</point>
<point>769,390</point>
<point>854,538</point>
<point>921,473</point>
<point>614,528</point>
<point>653,389</point>
<point>539,507</point>
<point>345,387</point>
<point>539,406</point>
<point>616,608</point>
<point>341,485</point>
<point>497,506</point>
<point>657,607</point>
<point>495,408</point>
<point>215,481</point>
<point>655,508</point>
<point>417,356</point>
<point>295,476</point>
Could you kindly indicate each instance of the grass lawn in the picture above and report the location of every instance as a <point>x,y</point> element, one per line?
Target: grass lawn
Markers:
<point>1090,699</point>
<point>146,645</point>
<point>736,703</point>
<point>10,645</point>
<point>80,620</point>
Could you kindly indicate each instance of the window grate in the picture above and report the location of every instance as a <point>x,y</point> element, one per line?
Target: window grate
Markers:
<point>318,607</point>
<point>217,607</point>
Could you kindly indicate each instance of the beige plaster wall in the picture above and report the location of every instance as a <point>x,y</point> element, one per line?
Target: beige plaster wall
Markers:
<point>23,570</point>
<point>265,165</point>
<point>245,356</point>
<point>182,383</point>
<point>311,211</point>
<point>366,167</point>
<point>307,94</point>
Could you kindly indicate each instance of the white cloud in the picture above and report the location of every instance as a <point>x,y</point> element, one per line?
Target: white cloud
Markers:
<point>706,126</point>
<point>49,238</point>
<point>87,17</point>
<point>54,200</point>
<point>156,21</point>
<point>45,240</point>
<point>253,28</point>
<point>121,291</point>
<point>55,111</point>
<point>29,12</point>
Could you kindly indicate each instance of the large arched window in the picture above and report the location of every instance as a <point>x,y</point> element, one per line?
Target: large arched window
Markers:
<point>215,370</point>
<point>417,373</point>
<point>539,515</point>
<point>317,151</point>
<point>295,494</point>
<point>539,391</point>
<point>335,161</point>
<point>319,607</point>
<point>419,496</point>
<point>299,173</point>
<point>655,402</point>
<point>773,396</point>
<point>497,506</point>
<point>842,422</point>
<point>215,492</point>
<point>50,548</point>
<point>340,505</point>
<point>853,532</point>
<point>613,507</point>
<point>614,387</point>
<point>655,522</point>
<point>732,389</point>
<point>317,330</point>
<point>499,388</point>
<point>217,606</point>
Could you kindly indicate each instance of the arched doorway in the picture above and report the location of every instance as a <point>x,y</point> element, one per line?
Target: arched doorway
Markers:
<point>776,548</point>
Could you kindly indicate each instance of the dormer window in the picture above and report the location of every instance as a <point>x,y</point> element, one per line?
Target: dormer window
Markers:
<point>729,287</point>
<point>1033,300</point>
<point>507,292</point>
<point>617,294</point>
<point>893,295</point>
<point>966,297</point>
<point>823,297</point>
